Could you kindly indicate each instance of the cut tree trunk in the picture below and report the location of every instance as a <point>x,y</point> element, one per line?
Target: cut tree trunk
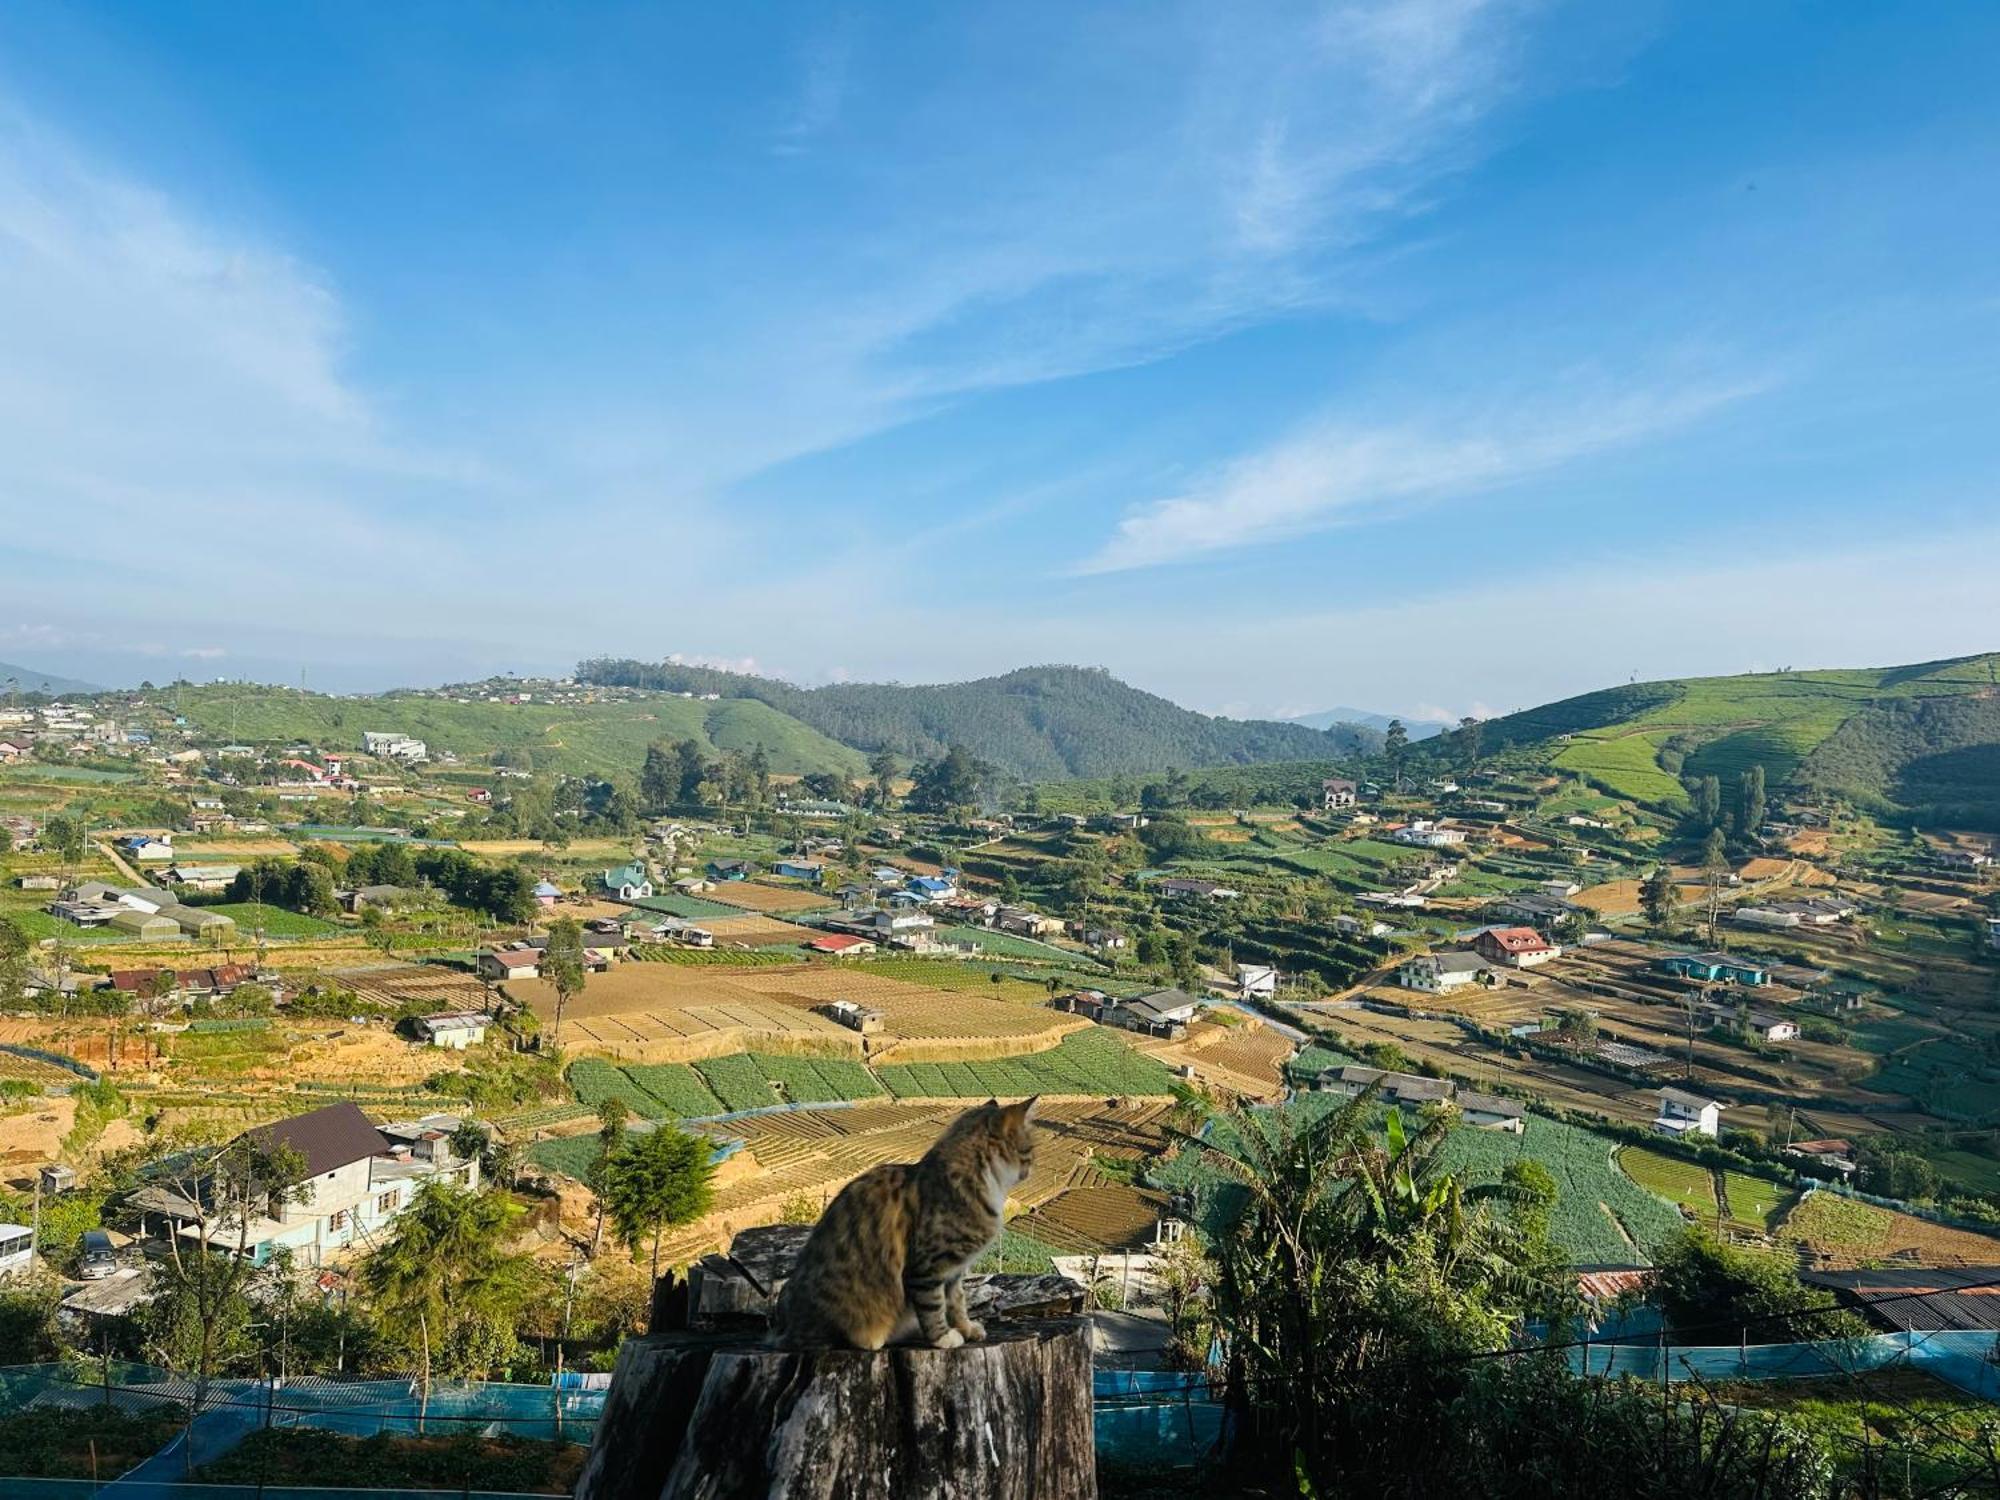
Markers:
<point>716,1416</point>
<point>709,1412</point>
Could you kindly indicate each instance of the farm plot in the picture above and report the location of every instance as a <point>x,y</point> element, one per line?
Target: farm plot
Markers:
<point>1687,1184</point>
<point>1086,1062</point>
<point>393,985</point>
<point>1834,1231</point>
<point>598,1082</point>
<point>757,931</point>
<point>682,1092</point>
<point>33,1070</point>
<point>750,895</point>
<point>1755,1203</point>
<point>737,1081</point>
<point>1246,1059</point>
<point>710,958</point>
<point>818,1080</point>
<point>694,908</point>
<point>1109,1216</point>
<point>1601,1216</point>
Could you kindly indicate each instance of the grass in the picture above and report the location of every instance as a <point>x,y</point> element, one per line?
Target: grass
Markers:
<point>465,1461</point>
<point>1084,1062</point>
<point>582,739</point>
<point>1686,1183</point>
<point>1899,1423</point>
<point>1755,1202</point>
<point>277,921</point>
<point>84,1443</point>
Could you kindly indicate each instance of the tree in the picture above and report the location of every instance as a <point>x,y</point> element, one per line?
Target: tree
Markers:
<point>1708,802</point>
<point>1470,734</point>
<point>659,777</point>
<point>758,775</point>
<point>612,1113</point>
<point>1395,750</point>
<point>1750,801</point>
<point>949,784</point>
<point>13,961</point>
<point>1716,1293</point>
<point>692,769</point>
<point>1658,896</point>
<point>562,966</point>
<point>200,1314</point>
<point>883,766</point>
<point>444,1282</point>
<point>1714,865</point>
<point>653,1180</point>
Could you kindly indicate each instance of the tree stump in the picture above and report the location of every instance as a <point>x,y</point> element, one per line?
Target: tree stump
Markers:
<point>710,1413</point>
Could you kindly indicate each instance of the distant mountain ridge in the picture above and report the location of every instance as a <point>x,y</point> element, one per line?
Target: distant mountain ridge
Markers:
<point>1326,718</point>
<point>28,680</point>
<point>1037,723</point>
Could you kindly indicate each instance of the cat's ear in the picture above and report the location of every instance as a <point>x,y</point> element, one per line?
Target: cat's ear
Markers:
<point>1027,1106</point>
<point>991,1104</point>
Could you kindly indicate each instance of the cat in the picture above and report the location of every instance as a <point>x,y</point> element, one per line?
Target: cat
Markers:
<point>888,1256</point>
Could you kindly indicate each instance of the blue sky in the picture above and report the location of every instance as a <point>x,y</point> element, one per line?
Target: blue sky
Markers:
<point>1431,356</point>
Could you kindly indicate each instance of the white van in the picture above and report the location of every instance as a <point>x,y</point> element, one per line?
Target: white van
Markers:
<point>14,1252</point>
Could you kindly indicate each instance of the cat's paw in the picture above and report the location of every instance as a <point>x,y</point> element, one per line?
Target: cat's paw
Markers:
<point>951,1338</point>
<point>973,1332</point>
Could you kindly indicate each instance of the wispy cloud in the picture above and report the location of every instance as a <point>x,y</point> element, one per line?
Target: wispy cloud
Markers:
<point>826,60</point>
<point>1335,472</point>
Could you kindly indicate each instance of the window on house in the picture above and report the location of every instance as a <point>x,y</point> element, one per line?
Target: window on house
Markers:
<point>337,1219</point>
<point>386,1204</point>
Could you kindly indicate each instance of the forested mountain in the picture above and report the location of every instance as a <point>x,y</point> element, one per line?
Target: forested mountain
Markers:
<point>1037,722</point>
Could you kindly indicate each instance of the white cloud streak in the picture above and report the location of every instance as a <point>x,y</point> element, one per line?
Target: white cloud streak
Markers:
<point>1337,472</point>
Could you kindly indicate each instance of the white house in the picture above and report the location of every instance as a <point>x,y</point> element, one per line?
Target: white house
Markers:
<point>1435,973</point>
<point>1426,834</point>
<point>1491,1112</point>
<point>394,746</point>
<point>456,1029</point>
<point>355,1179</point>
<point>1335,792</point>
<point>1256,981</point>
<point>1682,1113</point>
<point>510,963</point>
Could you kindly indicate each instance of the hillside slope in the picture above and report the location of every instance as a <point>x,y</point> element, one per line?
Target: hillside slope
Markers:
<point>1921,740</point>
<point>587,739</point>
<point>28,680</point>
<point>1037,722</point>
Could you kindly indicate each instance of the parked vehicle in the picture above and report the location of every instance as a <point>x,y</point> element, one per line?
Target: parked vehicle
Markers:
<point>95,1259</point>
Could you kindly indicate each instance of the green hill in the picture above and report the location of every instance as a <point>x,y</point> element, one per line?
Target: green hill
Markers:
<point>1919,741</point>
<point>582,739</point>
<point>1038,722</point>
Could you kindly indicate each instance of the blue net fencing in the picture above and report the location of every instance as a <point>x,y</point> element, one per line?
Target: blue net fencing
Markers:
<point>230,1410</point>
<point>1155,1416</point>
<point>1969,1361</point>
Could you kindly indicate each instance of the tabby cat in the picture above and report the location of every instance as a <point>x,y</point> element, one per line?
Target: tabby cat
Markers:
<point>889,1255</point>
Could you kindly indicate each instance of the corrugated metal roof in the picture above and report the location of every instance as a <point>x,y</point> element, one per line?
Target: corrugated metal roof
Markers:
<point>1964,1298</point>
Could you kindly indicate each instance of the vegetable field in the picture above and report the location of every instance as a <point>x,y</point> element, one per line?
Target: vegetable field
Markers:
<point>1601,1216</point>
<point>1084,1062</point>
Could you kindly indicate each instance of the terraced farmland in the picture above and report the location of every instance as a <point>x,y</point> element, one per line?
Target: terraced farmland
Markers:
<point>660,1012</point>
<point>1086,1062</point>
<point>1834,1231</point>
